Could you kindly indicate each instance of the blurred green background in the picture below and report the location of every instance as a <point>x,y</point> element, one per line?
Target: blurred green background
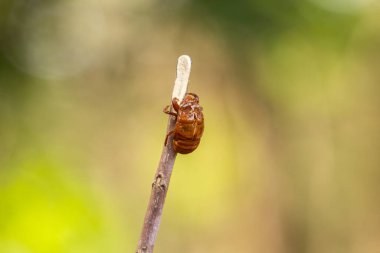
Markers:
<point>289,161</point>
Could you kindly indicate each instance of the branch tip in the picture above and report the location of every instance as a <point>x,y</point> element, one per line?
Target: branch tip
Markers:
<point>183,74</point>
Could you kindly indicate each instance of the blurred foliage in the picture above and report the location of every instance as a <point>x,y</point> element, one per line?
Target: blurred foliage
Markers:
<point>265,20</point>
<point>46,210</point>
<point>289,159</point>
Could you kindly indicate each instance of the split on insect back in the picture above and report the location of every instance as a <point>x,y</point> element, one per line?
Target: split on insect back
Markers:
<point>189,121</point>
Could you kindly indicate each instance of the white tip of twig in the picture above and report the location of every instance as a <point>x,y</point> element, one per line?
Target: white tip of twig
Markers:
<point>183,74</point>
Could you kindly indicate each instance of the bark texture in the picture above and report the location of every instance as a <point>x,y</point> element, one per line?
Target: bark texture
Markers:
<point>157,198</point>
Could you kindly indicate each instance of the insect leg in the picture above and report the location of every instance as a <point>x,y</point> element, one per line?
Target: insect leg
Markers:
<point>175,104</point>
<point>167,136</point>
<point>167,111</point>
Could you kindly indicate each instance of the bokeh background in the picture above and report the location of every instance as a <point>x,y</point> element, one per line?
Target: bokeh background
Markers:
<point>289,161</point>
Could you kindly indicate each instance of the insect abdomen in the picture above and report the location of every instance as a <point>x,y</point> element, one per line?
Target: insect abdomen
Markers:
<point>185,146</point>
<point>187,137</point>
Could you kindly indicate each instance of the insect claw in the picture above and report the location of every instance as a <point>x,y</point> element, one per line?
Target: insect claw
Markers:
<point>167,111</point>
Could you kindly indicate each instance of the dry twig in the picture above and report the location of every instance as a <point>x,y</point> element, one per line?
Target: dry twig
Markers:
<point>161,181</point>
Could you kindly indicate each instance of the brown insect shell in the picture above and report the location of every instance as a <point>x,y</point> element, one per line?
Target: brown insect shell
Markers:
<point>189,125</point>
